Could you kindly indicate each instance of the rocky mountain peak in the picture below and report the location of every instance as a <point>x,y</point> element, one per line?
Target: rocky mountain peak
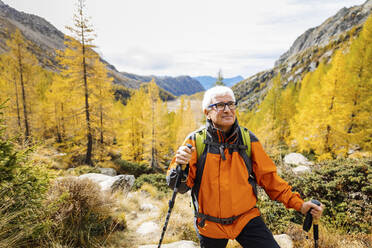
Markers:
<point>305,54</point>
<point>33,27</point>
<point>331,29</point>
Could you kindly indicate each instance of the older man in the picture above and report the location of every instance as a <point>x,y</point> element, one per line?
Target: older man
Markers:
<point>223,188</point>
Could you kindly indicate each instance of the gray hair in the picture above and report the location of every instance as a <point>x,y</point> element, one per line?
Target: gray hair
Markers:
<point>213,92</point>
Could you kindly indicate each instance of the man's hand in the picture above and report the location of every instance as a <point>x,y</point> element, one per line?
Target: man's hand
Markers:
<point>183,155</point>
<point>316,210</point>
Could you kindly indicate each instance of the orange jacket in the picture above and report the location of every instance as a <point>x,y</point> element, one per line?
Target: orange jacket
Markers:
<point>224,188</point>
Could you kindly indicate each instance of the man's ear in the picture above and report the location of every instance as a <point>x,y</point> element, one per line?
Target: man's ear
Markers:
<point>206,114</point>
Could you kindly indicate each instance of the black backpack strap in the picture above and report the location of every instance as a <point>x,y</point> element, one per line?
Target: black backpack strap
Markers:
<point>248,163</point>
<point>199,174</point>
<point>242,148</point>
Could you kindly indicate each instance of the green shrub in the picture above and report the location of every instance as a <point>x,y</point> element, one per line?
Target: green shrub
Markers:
<point>344,187</point>
<point>23,184</point>
<point>80,215</point>
<point>157,180</point>
<point>135,169</point>
<point>275,215</point>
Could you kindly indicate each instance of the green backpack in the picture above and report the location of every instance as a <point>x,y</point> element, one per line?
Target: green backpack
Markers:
<point>245,153</point>
<point>201,137</point>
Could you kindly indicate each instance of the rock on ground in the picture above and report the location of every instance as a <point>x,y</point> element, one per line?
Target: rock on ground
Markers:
<point>107,171</point>
<point>148,227</point>
<point>147,206</point>
<point>284,241</point>
<point>179,244</point>
<point>296,159</point>
<point>111,183</point>
<point>301,169</point>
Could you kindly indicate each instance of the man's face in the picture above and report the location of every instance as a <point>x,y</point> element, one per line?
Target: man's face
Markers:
<point>222,119</point>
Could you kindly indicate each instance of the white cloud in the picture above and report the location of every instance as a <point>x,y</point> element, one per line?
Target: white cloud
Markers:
<point>192,37</point>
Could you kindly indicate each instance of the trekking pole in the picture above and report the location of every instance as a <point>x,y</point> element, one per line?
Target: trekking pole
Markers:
<point>308,221</point>
<point>172,201</point>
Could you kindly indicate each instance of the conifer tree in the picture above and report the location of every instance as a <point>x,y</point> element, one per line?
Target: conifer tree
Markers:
<point>10,93</point>
<point>78,61</point>
<point>287,110</point>
<point>358,87</point>
<point>219,79</point>
<point>22,65</point>
<point>303,127</point>
<point>102,106</point>
<point>157,133</point>
<point>184,123</point>
<point>320,128</point>
<point>61,99</point>
<point>132,135</point>
<point>330,114</point>
<point>267,119</point>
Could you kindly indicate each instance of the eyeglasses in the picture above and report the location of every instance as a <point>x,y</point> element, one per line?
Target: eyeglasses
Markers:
<point>220,106</point>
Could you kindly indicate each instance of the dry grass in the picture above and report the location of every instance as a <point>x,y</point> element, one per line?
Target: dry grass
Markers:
<point>48,155</point>
<point>81,214</point>
<point>328,238</point>
<point>108,164</point>
<point>9,235</point>
<point>180,226</point>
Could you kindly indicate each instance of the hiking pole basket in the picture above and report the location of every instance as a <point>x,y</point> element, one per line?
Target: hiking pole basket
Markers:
<point>307,224</point>
<point>172,201</point>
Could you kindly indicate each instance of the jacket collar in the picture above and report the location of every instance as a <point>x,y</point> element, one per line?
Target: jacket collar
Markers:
<point>220,136</point>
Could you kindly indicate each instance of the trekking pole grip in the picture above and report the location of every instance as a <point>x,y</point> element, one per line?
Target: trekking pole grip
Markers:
<point>309,218</point>
<point>315,226</point>
<point>309,221</point>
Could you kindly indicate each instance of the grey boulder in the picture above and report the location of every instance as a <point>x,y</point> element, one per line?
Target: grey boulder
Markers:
<point>111,183</point>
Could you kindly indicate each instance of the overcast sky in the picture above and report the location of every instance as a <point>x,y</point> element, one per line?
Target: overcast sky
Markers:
<point>191,37</point>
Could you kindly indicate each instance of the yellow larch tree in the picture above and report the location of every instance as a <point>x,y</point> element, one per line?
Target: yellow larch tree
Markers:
<point>10,93</point>
<point>358,87</point>
<point>184,123</point>
<point>302,126</point>
<point>40,114</point>
<point>78,61</point>
<point>157,128</point>
<point>287,110</point>
<point>321,116</point>
<point>102,101</point>
<point>331,122</point>
<point>64,104</point>
<point>266,119</point>
<point>131,136</point>
<point>21,73</point>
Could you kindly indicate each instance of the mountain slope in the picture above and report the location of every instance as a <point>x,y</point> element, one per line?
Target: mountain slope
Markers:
<point>315,45</point>
<point>181,85</point>
<point>344,20</point>
<point>46,39</point>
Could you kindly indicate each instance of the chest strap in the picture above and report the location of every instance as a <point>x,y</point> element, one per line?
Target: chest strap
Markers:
<point>222,146</point>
